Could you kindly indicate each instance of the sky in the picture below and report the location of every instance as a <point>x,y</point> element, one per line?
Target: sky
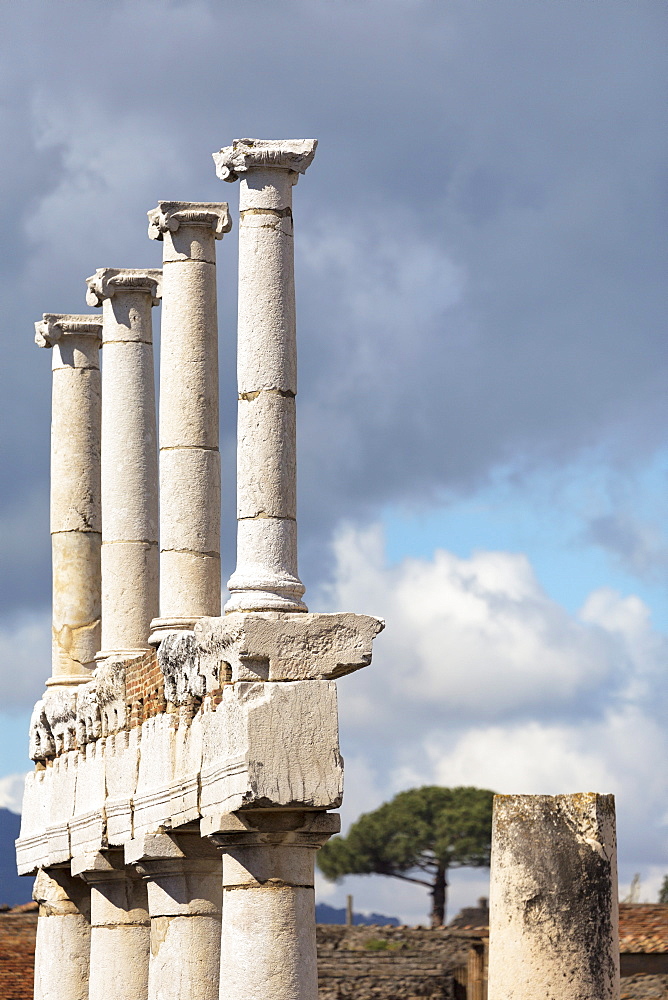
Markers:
<point>483,439</point>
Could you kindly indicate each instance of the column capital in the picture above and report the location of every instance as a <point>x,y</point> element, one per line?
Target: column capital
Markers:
<point>170,215</point>
<point>94,866</point>
<point>263,827</point>
<point>107,281</point>
<point>247,154</point>
<point>52,327</point>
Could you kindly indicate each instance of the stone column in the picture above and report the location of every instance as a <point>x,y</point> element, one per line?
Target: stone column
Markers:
<point>129,457</point>
<point>189,455</point>
<point>266,576</point>
<point>268,936</point>
<point>75,492</point>
<point>62,950</point>
<point>120,931</point>
<point>553,899</point>
<point>183,879</point>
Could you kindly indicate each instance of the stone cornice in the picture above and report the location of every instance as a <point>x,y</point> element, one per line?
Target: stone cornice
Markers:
<point>53,326</point>
<point>246,154</point>
<point>170,215</point>
<point>108,280</point>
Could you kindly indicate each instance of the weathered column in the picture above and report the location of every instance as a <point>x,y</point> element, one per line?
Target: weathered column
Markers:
<point>183,879</point>
<point>75,492</point>
<point>189,455</point>
<point>120,932</point>
<point>553,899</point>
<point>129,457</point>
<point>266,576</point>
<point>62,950</point>
<point>268,934</point>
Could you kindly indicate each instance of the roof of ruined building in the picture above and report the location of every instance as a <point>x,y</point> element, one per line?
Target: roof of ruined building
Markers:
<point>17,949</point>
<point>643,927</point>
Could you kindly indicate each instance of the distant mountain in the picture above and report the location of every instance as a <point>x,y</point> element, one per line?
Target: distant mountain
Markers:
<point>325,914</point>
<point>13,888</point>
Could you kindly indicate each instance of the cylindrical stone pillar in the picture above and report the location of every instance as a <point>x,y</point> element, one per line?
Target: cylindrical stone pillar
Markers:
<point>184,902</point>
<point>75,492</point>
<point>62,951</point>
<point>266,576</point>
<point>553,898</point>
<point>129,457</point>
<point>268,937</point>
<point>268,933</point>
<point>188,421</point>
<point>120,930</point>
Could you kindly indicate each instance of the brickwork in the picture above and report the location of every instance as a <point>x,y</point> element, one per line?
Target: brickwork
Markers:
<point>144,689</point>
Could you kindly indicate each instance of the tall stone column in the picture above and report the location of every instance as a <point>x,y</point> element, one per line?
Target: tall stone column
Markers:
<point>189,455</point>
<point>268,935</point>
<point>62,949</point>
<point>75,492</point>
<point>553,898</point>
<point>129,457</point>
<point>266,576</point>
<point>120,929</point>
<point>183,880</point>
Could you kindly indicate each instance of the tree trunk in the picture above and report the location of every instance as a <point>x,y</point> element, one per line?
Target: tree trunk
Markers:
<point>438,896</point>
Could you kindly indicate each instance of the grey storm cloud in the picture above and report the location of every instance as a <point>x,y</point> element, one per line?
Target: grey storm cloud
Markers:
<point>479,240</point>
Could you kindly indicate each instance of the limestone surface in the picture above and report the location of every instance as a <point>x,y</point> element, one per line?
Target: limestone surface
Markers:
<point>266,576</point>
<point>553,898</point>
<point>62,952</point>
<point>179,755</point>
<point>129,456</point>
<point>246,154</point>
<point>75,491</point>
<point>189,457</point>
<point>269,646</point>
<point>244,717</point>
<point>183,878</point>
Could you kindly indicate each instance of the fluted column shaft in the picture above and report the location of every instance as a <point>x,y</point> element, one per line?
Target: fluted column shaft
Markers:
<point>266,576</point>
<point>75,492</point>
<point>189,434</point>
<point>62,949</point>
<point>120,929</point>
<point>129,457</point>
<point>184,885</point>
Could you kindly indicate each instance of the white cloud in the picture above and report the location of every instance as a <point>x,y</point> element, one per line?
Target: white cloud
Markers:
<point>11,792</point>
<point>25,659</point>
<point>479,636</point>
<point>480,678</point>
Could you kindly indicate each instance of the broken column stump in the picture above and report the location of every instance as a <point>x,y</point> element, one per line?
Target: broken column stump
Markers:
<point>553,898</point>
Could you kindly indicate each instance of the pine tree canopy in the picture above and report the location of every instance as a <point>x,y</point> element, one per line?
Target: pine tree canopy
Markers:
<point>419,831</point>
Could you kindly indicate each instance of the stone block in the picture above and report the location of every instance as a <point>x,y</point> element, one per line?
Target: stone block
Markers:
<point>152,797</point>
<point>276,746</point>
<point>121,768</point>
<point>268,646</point>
